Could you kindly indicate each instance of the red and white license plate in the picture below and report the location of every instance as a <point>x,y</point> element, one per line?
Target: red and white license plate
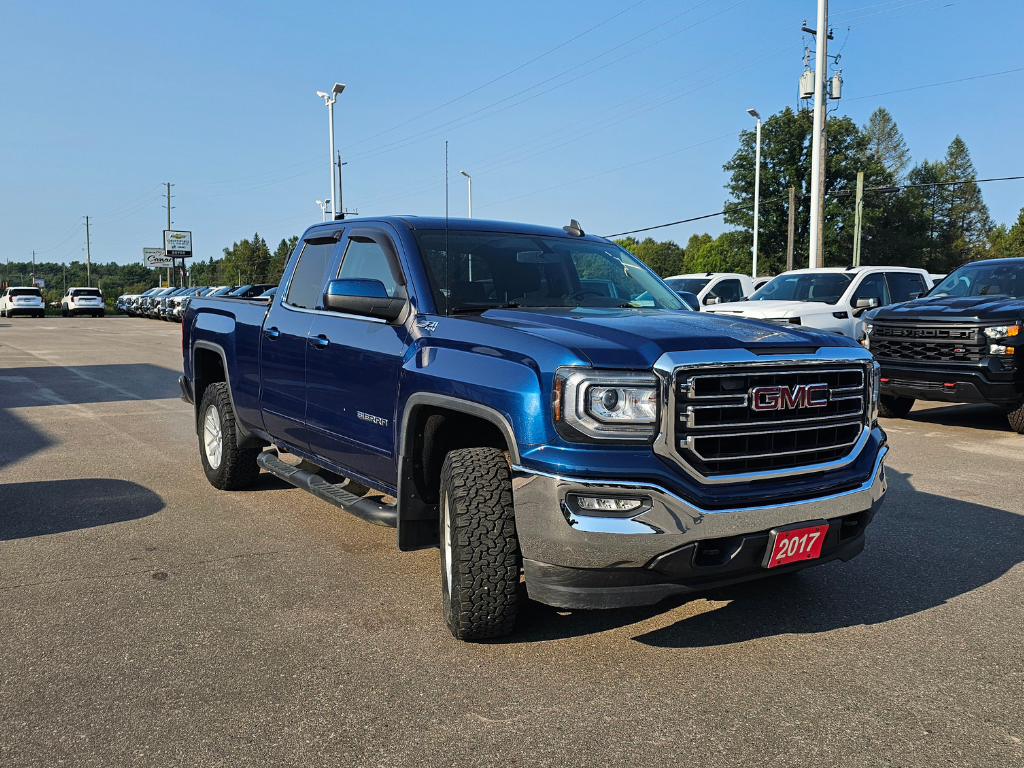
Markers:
<point>795,544</point>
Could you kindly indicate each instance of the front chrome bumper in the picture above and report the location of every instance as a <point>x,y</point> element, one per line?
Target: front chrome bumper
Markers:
<point>550,532</point>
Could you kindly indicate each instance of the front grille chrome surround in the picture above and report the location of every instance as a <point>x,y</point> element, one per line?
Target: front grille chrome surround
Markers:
<point>709,430</point>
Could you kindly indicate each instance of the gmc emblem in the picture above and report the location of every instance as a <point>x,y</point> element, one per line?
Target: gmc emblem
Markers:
<point>780,398</point>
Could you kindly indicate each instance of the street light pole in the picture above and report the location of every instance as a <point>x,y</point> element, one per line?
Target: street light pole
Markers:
<point>757,185</point>
<point>817,170</point>
<point>329,99</point>
<point>469,180</point>
<point>323,208</point>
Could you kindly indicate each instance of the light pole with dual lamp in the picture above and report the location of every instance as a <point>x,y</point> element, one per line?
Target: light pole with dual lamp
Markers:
<point>329,99</point>
<point>469,180</point>
<point>757,184</point>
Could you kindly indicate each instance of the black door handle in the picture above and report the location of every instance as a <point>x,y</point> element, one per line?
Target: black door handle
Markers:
<point>320,341</point>
<point>271,333</point>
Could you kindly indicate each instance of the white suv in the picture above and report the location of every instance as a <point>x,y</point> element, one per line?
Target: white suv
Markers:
<point>82,301</point>
<point>22,301</point>
<point>830,299</point>
<point>713,287</point>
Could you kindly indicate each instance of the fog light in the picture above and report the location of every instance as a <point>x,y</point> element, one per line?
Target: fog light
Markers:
<point>999,349</point>
<point>598,504</point>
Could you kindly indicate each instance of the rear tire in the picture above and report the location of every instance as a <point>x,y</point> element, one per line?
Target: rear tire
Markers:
<point>894,407</point>
<point>1016,418</point>
<point>227,467</point>
<point>479,545</point>
<point>63,310</point>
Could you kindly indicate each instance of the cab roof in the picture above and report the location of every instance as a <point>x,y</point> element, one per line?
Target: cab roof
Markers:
<point>420,223</point>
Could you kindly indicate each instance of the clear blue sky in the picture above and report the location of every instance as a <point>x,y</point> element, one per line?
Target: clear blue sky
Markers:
<point>625,126</point>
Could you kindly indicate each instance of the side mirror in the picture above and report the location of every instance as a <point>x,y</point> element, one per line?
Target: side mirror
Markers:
<point>915,295</point>
<point>690,300</point>
<point>711,300</point>
<point>363,297</point>
<point>860,306</point>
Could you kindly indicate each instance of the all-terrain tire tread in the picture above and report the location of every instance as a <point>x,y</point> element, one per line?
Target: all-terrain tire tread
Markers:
<point>485,565</point>
<point>1016,418</point>
<point>238,468</point>
<point>894,407</point>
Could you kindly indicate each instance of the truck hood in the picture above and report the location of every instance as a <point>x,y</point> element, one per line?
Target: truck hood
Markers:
<point>771,308</point>
<point>994,309</point>
<point>636,338</point>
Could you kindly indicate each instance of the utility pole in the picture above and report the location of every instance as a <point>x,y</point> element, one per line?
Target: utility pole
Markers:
<point>858,218</point>
<point>818,144</point>
<point>792,228</point>
<point>757,185</point>
<point>169,226</point>
<point>341,187</point>
<point>33,267</point>
<point>88,256</point>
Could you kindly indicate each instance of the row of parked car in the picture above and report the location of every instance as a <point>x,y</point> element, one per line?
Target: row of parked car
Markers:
<point>829,299</point>
<point>170,303</point>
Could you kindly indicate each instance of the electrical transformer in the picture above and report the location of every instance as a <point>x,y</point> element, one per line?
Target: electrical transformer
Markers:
<point>835,87</point>
<point>807,84</point>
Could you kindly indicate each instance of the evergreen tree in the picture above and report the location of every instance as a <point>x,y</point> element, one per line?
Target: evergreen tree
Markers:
<point>886,144</point>
<point>968,223</point>
<point>1014,245</point>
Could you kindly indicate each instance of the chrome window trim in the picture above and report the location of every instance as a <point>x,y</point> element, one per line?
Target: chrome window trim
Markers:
<point>327,313</point>
<point>667,365</point>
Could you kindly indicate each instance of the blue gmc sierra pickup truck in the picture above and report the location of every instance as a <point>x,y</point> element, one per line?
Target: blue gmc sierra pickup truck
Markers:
<point>544,408</point>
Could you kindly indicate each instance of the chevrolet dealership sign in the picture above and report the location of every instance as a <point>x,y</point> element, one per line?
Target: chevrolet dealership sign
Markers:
<point>177,245</point>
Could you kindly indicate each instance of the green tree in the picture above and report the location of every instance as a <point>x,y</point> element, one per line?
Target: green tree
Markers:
<point>1014,245</point>
<point>968,223</point>
<point>886,144</point>
<point>280,258</point>
<point>665,258</point>
<point>729,252</point>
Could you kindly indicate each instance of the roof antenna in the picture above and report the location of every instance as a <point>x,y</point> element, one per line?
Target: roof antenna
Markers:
<point>574,228</point>
<point>447,271</point>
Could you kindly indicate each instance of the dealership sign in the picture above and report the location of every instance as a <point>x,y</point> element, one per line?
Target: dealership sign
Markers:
<point>177,245</point>
<point>155,257</point>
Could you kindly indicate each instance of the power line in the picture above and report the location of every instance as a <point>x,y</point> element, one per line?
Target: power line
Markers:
<point>845,194</point>
<point>934,85</point>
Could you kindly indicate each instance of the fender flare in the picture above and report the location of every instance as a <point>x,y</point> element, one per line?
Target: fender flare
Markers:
<point>417,520</point>
<point>484,412</point>
<point>242,433</point>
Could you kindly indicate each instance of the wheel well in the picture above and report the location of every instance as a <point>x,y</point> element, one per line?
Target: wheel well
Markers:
<point>208,368</point>
<point>435,432</point>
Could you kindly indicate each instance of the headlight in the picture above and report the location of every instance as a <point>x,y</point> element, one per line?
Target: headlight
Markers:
<point>1002,331</point>
<point>876,380</point>
<point>604,404</point>
<point>868,328</point>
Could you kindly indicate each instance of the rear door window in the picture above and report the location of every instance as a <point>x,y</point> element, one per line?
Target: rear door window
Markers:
<point>305,289</point>
<point>902,284</point>
<point>26,292</point>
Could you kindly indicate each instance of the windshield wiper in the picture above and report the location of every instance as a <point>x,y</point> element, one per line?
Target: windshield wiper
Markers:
<point>467,310</point>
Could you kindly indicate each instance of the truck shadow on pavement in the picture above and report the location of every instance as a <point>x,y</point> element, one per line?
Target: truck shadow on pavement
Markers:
<point>922,551</point>
<point>54,506</point>
<point>968,415</point>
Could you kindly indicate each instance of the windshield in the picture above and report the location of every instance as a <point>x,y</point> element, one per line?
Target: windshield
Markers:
<point>984,279</point>
<point>826,287</point>
<point>501,269</point>
<point>688,284</point>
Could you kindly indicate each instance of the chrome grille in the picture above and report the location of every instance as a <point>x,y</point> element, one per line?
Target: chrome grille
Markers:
<point>717,432</point>
<point>933,343</point>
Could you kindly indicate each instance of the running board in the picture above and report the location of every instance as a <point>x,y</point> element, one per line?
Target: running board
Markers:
<point>366,509</point>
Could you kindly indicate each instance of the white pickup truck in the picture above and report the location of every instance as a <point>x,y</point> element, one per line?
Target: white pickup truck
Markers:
<point>713,287</point>
<point>830,299</point>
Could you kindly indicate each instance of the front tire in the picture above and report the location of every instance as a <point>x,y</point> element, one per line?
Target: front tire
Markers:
<point>894,407</point>
<point>1016,418</point>
<point>63,310</point>
<point>227,467</point>
<point>479,545</point>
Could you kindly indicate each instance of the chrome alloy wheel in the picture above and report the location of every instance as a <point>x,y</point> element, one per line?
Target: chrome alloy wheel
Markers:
<point>446,510</point>
<point>213,437</point>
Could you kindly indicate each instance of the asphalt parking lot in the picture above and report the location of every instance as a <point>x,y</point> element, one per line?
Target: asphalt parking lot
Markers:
<point>148,619</point>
